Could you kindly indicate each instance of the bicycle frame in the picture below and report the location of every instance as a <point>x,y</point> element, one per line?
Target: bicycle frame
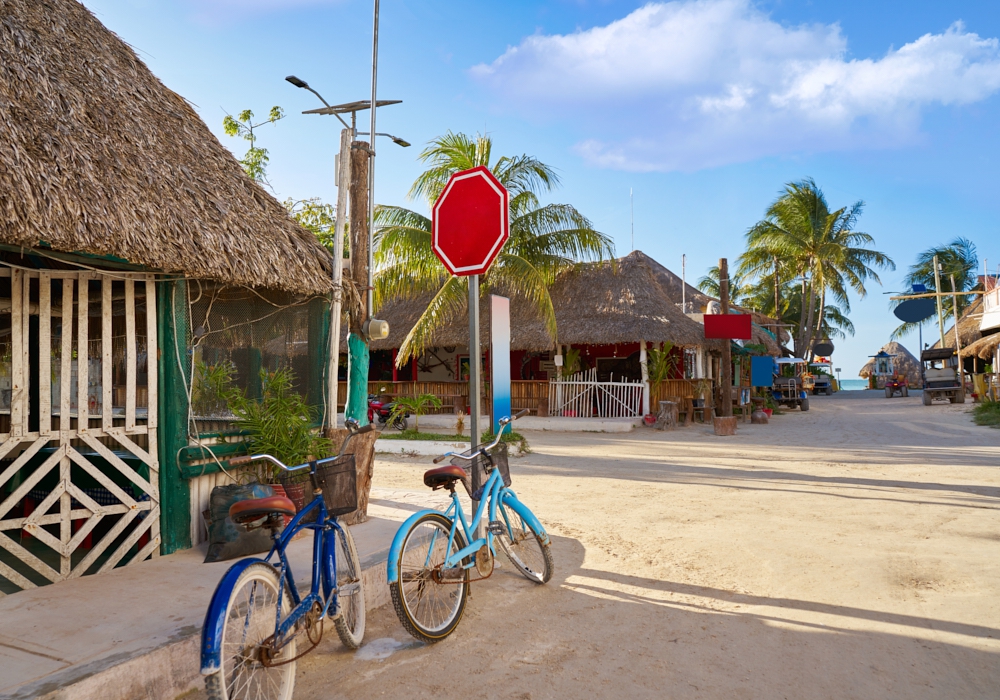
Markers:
<point>324,571</point>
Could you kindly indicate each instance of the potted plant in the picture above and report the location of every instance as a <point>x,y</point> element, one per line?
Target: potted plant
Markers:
<point>281,424</point>
<point>701,388</point>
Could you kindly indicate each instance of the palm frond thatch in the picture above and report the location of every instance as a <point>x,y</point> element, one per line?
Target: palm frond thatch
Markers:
<point>98,156</point>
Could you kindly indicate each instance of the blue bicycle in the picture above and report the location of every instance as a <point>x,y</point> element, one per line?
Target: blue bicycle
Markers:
<point>432,560</point>
<point>257,618</point>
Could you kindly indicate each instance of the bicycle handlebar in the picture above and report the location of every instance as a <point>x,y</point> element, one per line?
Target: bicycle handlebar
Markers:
<point>504,422</point>
<point>352,430</point>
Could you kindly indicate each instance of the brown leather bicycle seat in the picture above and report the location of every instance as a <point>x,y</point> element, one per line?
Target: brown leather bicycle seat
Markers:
<point>445,477</point>
<point>254,508</point>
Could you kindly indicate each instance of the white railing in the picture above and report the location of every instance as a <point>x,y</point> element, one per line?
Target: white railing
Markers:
<point>581,395</point>
<point>991,310</point>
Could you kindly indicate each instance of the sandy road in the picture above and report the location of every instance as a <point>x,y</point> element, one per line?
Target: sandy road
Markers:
<point>849,552</point>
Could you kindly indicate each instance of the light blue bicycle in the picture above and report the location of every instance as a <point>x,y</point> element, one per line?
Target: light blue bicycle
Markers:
<point>430,563</point>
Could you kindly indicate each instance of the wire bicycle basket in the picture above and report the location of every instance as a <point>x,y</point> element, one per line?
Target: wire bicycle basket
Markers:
<point>336,476</point>
<point>498,460</point>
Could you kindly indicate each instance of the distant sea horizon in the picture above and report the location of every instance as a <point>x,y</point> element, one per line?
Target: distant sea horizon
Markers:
<point>853,384</point>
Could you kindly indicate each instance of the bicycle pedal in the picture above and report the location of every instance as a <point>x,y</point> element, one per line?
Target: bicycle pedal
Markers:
<point>496,528</point>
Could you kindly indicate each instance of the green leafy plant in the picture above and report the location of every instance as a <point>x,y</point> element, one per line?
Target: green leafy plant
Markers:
<point>255,160</point>
<point>662,364</point>
<point>987,413</point>
<point>280,423</point>
<point>415,405</point>
<point>210,387</point>
<point>517,439</point>
<point>571,362</point>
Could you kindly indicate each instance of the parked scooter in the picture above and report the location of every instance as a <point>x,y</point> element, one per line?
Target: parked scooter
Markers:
<point>382,413</point>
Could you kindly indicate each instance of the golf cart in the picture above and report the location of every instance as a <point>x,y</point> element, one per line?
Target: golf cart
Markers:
<point>941,377</point>
<point>792,383</point>
<point>822,378</point>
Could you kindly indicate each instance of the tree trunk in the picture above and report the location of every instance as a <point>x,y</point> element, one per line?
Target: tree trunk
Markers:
<point>363,448</point>
<point>726,370</point>
<point>357,344</point>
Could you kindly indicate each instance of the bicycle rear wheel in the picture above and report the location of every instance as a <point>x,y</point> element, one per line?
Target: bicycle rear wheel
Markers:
<point>250,620</point>
<point>430,601</point>
<point>523,546</point>
<point>350,623</point>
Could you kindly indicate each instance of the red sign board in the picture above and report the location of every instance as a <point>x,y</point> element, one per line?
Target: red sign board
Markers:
<point>470,221</point>
<point>731,326</point>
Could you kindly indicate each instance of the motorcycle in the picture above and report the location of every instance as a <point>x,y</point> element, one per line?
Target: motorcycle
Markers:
<point>382,413</point>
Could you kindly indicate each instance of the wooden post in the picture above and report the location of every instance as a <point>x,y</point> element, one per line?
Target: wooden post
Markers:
<point>343,186</point>
<point>175,493</point>
<point>937,298</point>
<point>357,342</point>
<point>644,367</point>
<point>958,340</point>
<point>726,371</point>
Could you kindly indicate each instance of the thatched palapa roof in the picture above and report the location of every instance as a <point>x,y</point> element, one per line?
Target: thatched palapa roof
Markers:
<point>595,304</point>
<point>985,348</point>
<point>98,156</point>
<point>968,326</point>
<point>904,362</point>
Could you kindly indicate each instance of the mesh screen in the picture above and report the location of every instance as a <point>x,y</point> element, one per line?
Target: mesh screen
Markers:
<point>236,333</point>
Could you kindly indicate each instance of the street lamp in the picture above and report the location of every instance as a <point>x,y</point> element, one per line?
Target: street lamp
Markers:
<point>373,328</point>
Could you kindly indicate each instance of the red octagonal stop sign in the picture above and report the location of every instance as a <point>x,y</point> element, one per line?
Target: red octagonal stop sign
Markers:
<point>470,221</point>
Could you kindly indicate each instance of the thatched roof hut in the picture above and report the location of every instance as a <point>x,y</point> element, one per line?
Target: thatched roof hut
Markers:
<point>968,326</point>
<point>98,156</point>
<point>904,363</point>
<point>595,304</point>
<point>985,348</point>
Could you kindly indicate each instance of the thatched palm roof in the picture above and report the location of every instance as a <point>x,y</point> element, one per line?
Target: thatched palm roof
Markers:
<point>968,326</point>
<point>98,156</point>
<point>985,348</point>
<point>595,304</point>
<point>904,362</point>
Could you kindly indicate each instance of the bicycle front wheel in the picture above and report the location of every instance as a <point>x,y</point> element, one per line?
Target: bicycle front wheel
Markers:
<point>428,598</point>
<point>250,670</point>
<point>523,546</point>
<point>350,623</point>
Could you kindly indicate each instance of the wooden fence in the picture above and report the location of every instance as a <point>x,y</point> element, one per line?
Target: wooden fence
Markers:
<point>455,395</point>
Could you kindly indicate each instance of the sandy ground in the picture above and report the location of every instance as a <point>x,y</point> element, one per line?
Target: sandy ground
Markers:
<point>849,552</point>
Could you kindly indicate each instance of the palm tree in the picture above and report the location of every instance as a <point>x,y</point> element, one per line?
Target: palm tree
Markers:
<point>957,259</point>
<point>544,240</point>
<point>800,238</point>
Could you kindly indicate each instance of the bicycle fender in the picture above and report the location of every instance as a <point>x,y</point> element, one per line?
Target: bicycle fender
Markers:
<point>391,566</point>
<point>512,502</point>
<point>211,631</point>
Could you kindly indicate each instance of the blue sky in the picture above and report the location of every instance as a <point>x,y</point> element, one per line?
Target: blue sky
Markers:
<point>703,108</point>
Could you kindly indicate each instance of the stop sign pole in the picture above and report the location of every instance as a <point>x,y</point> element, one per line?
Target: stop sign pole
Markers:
<point>470,226</point>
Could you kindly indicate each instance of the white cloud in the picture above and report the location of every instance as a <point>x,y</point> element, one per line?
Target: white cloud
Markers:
<point>700,83</point>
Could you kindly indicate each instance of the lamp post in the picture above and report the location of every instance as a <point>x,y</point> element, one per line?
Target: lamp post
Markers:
<point>344,184</point>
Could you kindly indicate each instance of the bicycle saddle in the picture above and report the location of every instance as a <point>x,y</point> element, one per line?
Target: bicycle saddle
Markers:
<point>254,508</point>
<point>445,477</point>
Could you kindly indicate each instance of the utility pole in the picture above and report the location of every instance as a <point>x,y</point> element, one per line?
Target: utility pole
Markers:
<point>726,371</point>
<point>958,343</point>
<point>357,339</point>
<point>937,291</point>
<point>343,185</point>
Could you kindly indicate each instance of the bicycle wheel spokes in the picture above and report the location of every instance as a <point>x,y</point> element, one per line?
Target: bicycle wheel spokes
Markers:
<point>251,667</point>
<point>350,592</point>
<point>429,598</point>
<point>522,546</point>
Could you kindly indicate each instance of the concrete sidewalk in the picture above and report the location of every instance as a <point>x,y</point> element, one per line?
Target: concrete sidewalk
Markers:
<point>135,632</point>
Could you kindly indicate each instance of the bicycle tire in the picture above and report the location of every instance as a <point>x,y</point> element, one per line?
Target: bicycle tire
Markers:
<point>350,623</point>
<point>421,596</point>
<point>256,590</point>
<point>523,547</point>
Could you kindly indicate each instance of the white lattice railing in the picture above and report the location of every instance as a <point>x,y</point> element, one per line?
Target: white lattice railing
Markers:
<point>581,395</point>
